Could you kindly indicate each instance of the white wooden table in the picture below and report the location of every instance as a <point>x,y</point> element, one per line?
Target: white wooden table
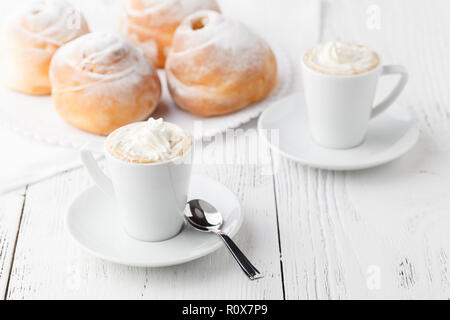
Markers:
<point>379,233</point>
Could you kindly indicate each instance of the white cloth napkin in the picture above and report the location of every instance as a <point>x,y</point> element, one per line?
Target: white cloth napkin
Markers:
<point>24,161</point>
<point>294,25</point>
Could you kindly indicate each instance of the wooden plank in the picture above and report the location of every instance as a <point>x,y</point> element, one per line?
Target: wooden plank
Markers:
<point>48,265</point>
<point>379,233</point>
<point>11,205</point>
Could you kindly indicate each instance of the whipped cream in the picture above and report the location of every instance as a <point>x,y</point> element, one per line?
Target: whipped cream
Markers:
<point>341,58</point>
<point>148,142</point>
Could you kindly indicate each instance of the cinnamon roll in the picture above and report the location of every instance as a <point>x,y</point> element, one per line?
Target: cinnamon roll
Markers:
<point>217,65</point>
<point>29,39</point>
<point>151,24</point>
<point>101,82</point>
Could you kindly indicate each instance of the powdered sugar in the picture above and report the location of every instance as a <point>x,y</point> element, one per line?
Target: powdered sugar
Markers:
<point>104,56</point>
<point>168,11</point>
<point>229,44</point>
<point>51,21</point>
<point>105,63</point>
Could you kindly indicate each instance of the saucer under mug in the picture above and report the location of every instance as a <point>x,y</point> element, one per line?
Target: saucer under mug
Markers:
<point>285,126</point>
<point>92,222</point>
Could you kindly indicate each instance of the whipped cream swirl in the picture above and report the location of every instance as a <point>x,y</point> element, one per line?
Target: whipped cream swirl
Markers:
<point>148,142</point>
<point>341,58</point>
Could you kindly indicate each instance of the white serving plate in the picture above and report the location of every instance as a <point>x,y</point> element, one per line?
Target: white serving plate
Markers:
<point>35,116</point>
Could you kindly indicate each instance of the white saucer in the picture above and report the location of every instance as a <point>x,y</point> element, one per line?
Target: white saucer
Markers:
<point>388,138</point>
<point>91,222</point>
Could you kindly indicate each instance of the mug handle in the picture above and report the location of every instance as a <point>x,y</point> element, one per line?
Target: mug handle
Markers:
<point>102,181</point>
<point>391,69</point>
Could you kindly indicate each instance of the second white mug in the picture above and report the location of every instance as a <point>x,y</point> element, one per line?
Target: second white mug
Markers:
<point>340,106</point>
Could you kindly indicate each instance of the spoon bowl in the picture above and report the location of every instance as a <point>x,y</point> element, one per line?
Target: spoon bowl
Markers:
<point>203,216</point>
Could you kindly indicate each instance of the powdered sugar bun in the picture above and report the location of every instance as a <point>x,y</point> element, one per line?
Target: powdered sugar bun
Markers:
<point>101,82</point>
<point>151,24</point>
<point>30,37</point>
<point>217,65</point>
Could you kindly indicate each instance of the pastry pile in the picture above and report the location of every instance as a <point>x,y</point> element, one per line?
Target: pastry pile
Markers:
<point>101,81</point>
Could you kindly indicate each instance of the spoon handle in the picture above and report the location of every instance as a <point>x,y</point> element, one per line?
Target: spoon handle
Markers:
<point>241,259</point>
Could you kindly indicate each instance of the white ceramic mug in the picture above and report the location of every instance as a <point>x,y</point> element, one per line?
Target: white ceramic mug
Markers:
<point>150,197</point>
<point>340,107</point>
